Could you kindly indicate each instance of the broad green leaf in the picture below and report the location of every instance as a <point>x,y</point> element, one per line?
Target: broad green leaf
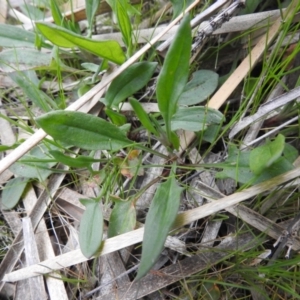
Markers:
<point>179,6</point>
<point>236,166</point>
<point>195,118</point>
<point>83,130</point>
<point>31,89</point>
<point>264,156</point>
<point>75,162</point>
<point>13,191</point>
<point>14,37</point>
<point>211,133</point>
<point>159,220</point>
<point>129,81</point>
<point>35,169</point>
<point>62,37</point>
<point>124,22</point>
<point>91,7</point>
<point>142,116</point>
<point>174,73</point>
<point>19,59</point>
<point>122,218</point>
<point>91,228</point>
<point>117,118</point>
<point>202,85</point>
<point>290,153</point>
<point>280,166</point>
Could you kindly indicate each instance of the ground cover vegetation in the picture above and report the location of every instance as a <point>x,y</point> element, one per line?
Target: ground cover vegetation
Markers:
<point>150,149</point>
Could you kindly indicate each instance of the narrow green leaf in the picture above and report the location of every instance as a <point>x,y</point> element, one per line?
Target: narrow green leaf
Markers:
<point>83,130</point>
<point>159,220</point>
<point>56,13</point>
<point>117,118</point>
<point>5,148</point>
<point>124,22</point>
<point>122,218</point>
<point>264,156</point>
<point>195,118</point>
<point>62,37</point>
<point>129,81</point>
<point>179,6</point>
<point>174,73</point>
<point>202,85</point>
<point>75,162</point>
<point>91,7</point>
<point>142,116</point>
<point>13,191</point>
<point>13,37</point>
<point>91,228</point>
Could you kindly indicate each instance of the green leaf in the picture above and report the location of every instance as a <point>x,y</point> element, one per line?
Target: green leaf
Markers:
<point>280,166</point>
<point>264,156</point>
<point>211,133</point>
<point>91,228</point>
<point>75,162</point>
<point>83,130</point>
<point>174,73</point>
<point>19,59</point>
<point>14,37</point>
<point>5,148</point>
<point>129,81</point>
<point>27,82</point>
<point>62,37</point>
<point>195,118</point>
<point>290,153</point>
<point>124,22</point>
<point>34,169</point>
<point>159,220</point>
<point>56,13</point>
<point>117,118</point>
<point>91,7</point>
<point>142,116</point>
<point>34,13</point>
<point>236,166</point>
<point>179,6</point>
<point>13,191</point>
<point>122,218</point>
<point>202,85</point>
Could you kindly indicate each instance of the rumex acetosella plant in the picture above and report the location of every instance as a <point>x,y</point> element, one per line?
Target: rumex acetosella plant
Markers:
<point>91,133</point>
